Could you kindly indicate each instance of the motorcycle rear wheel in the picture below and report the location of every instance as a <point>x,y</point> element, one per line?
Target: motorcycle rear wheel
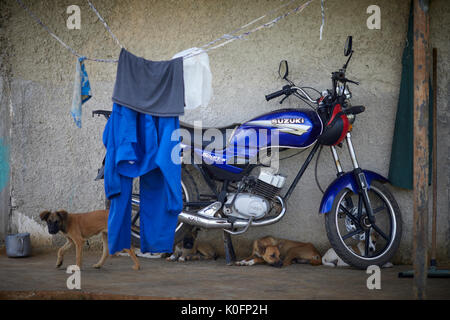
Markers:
<point>190,193</point>
<point>348,228</point>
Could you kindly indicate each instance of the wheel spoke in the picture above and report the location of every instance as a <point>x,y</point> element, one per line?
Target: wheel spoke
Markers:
<point>351,234</point>
<point>380,232</point>
<point>348,213</point>
<point>348,201</point>
<point>133,222</point>
<point>378,209</point>
<point>366,242</point>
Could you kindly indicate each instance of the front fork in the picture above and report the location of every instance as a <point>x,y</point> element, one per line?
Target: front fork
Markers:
<point>359,177</point>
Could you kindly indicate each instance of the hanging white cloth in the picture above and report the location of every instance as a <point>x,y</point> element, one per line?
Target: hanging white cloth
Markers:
<point>197,77</point>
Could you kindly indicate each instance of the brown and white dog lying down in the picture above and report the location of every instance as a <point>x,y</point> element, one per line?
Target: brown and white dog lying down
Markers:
<point>78,227</point>
<point>281,252</point>
<point>331,259</point>
<point>189,248</point>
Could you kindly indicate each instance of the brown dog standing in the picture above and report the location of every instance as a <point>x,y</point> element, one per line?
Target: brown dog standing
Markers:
<point>281,252</point>
<point>78,227</point>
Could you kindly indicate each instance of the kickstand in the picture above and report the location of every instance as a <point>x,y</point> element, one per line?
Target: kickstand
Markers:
<point>230,256</point>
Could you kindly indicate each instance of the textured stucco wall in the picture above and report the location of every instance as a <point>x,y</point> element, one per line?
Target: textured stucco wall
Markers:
<point>53,162</point>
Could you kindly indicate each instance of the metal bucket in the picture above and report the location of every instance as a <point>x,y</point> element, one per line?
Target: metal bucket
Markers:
<point>18,245</point>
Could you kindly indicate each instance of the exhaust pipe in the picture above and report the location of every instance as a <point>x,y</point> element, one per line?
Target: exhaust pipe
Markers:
<point>194,219</point>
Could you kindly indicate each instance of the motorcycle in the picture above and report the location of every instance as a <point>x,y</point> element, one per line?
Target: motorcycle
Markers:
<point>360,211</point>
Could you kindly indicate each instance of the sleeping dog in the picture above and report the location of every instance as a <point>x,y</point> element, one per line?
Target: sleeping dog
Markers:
<point>331,259</point>
<point>189,248</point>
<point>281,252</point>
<point>78,227</point>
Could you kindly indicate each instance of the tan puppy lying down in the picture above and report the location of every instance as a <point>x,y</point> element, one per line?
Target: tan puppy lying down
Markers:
<point>281,252</point>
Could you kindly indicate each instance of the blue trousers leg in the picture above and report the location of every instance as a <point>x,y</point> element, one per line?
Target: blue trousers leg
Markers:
<point>119,218</point>
<point>157,226</point>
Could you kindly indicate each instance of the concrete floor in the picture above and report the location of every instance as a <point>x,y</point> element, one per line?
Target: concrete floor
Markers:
<point>37,277</point>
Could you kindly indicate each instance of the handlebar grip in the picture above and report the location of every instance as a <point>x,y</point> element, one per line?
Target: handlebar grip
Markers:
<point>355,110</point>
<point>351,81</point>
<point>275,95</point>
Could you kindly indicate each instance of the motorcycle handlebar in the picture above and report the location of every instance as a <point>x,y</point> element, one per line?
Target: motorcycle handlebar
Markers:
<point>275,94</point>
<point>340,76</point>
<point>287,90</point>
<point>355,110</point>
<point>351,81</point>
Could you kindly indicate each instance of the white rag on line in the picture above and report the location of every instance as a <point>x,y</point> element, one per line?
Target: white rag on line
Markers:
<point>197,78</point>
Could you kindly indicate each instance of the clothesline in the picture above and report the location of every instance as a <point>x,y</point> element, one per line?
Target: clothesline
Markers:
<point>245,34</point>
<point>229,37</point>
<point>322,9</point>
<point>31,14</point>
<point>104,23</point>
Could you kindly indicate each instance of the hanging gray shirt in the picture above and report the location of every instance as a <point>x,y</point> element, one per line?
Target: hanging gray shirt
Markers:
<point>151,87</point>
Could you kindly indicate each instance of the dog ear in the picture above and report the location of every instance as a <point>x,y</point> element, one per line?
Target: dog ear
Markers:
<point>261,248</point>
<point>62,214</point>
<point>44,215</point>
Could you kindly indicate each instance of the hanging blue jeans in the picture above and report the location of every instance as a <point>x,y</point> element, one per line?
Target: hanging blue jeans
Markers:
<point>141,145</point>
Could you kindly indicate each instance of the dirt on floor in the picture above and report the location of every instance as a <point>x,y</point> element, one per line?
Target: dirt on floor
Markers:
<point>70,295</point>
<point>36,277</point>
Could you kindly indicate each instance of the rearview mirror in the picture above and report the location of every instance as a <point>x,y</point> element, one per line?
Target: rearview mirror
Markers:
<point>283,69</point>
<point>348,46</point>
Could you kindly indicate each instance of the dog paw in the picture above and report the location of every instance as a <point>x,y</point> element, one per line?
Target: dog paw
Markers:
<point>136,267</point>
<point>97,266</point>
<point>245,263</point>
<point>58,264</point>
<point>171,258</point>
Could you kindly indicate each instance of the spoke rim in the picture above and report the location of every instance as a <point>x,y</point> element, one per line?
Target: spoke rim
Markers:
<point>392,220</point>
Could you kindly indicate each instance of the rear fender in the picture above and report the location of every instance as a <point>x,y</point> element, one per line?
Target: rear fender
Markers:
<point>348,181</point>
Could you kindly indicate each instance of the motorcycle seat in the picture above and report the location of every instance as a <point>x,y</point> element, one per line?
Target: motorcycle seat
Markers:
<point>197,139</point>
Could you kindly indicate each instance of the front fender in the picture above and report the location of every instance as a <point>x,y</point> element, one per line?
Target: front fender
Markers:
<point>348,181</point>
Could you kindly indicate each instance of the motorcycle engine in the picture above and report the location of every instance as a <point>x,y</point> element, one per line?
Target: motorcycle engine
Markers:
<point>256,203</point>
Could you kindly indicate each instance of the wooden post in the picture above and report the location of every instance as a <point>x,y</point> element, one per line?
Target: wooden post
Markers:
<point>421,165</point>
<point>434,183</point>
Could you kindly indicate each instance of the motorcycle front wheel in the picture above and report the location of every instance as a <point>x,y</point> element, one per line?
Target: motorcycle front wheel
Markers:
<point>355,240</point>
<point>189,193</point>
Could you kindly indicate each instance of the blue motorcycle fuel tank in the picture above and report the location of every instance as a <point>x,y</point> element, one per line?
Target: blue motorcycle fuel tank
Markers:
<point>285,128</point>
